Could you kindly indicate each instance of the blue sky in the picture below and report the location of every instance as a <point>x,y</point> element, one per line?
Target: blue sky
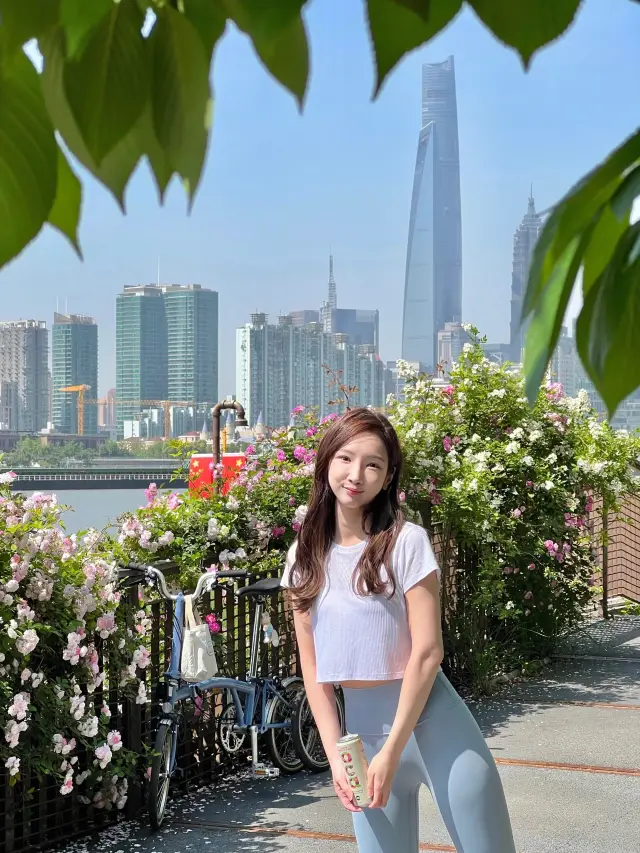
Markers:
<point>279,188</point>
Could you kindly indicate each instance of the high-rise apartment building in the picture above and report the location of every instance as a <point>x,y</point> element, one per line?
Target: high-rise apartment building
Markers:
<point>451,340</point>
<point>524,242</point>
<point>24,375</point>
<point>141,350</point>
<point>107,410</point>
<point>192,343</point>
<point>433,276</point>
<point>280,366</point>
<point>167,349</point>
<point>74,361</point>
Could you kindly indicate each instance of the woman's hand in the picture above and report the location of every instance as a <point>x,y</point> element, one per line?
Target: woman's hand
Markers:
<point>382,771</point>
<point>341,786</point>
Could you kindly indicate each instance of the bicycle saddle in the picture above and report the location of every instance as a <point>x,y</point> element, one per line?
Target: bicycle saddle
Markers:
<point>265,586</point>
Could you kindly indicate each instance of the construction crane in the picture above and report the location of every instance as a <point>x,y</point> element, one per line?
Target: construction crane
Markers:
<point>165,405</point>
<point>81,391</point>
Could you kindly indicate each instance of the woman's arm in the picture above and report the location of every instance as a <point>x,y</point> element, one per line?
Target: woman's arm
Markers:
<point>322,701</point>
<point>423,612</point>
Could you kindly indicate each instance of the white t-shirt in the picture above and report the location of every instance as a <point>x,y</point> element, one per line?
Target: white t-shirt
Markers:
<point>365,638</point>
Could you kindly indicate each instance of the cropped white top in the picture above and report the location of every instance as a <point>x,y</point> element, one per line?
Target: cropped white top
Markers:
<point>365,638</point>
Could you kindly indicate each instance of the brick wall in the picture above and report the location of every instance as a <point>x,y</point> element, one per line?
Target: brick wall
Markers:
<point>624,550</point>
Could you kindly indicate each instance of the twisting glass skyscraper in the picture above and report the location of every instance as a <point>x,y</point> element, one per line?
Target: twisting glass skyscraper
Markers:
<point>433,278</point>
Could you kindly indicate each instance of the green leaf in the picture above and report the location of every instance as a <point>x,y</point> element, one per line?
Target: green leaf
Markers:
<point>79,18</point>
<point>208,20</point>
<point>608,327</point>
<point>574,213</point>
<point>180,95</point>
<point>602,244</point>
<point>546,322</point>
<point>65,213</point>
<point>160,168</point>
<point>279,37</point>
<point>422,8</point>
<point>107,85</point>
<point>28,158</point>
<point>526,25</point>
<point>117,167</point>
<point>396,30</point>
<point>626,193</point>
<point>23,20</point>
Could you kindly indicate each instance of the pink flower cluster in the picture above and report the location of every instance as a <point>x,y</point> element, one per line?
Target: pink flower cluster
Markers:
<point>554,391</point>
<point>555,550</point>
<point>151,493</point>
<point>448,443</point>
<point>212,621</point>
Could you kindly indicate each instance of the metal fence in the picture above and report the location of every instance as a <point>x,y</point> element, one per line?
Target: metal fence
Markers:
<point>33,813</point>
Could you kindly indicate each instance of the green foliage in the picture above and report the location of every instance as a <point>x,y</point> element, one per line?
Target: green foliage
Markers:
<point>65,648</point>
<point>30,451</point>
<point>589,230</point>
<point>130,80</point>
<point>512,487</point>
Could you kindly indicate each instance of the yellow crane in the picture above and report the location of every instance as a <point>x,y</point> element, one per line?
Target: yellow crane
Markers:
<point>165,405</point>
<point>81,391</point>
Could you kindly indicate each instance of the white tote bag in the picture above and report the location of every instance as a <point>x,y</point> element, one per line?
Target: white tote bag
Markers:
<point>198,656</point>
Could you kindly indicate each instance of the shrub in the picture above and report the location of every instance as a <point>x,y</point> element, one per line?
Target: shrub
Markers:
<point>64,642</point>
<point>512,487</point>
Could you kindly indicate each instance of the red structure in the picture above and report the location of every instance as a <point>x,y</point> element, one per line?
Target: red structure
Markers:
<point>201,472</point>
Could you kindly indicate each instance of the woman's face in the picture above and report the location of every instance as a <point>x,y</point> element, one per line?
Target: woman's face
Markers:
<point>359,471</point>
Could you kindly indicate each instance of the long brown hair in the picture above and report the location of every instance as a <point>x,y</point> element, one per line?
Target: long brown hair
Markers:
<point>382,518</point>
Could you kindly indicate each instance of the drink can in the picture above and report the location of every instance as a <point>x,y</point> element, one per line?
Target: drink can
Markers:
<point>356,767</point>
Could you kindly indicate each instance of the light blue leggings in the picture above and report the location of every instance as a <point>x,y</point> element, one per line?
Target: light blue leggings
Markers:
<point>448,753</point>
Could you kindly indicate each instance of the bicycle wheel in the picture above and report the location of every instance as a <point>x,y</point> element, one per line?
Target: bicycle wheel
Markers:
<point>279,741</point>
<point>231,740</point>
<point>160,774</point>
<point>306,736</point>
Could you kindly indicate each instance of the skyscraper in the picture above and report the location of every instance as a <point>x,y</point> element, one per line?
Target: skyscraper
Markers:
<point>280,366</point>
<point>167,349</point>
<point>74,361</point>
<point>24,375</point>
<point>360,324</point>
<point>192,343</point>
<point>524,242</point>
<point>451,340</point>
<point>433,277</point>
<point>141,350</point>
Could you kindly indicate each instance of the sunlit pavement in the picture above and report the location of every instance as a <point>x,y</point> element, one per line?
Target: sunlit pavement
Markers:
<point>567,747</point>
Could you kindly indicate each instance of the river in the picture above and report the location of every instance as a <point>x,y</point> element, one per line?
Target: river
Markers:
<point>97,507</point>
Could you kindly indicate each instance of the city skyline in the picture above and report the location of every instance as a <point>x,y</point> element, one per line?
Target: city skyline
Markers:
<point>433,277</point>
<point>279,189</point>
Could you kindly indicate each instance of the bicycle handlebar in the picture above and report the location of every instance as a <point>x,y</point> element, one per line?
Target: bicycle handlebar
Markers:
<point>205,581</point>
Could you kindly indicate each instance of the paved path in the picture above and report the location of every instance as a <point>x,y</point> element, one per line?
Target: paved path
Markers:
<point>568,750</point>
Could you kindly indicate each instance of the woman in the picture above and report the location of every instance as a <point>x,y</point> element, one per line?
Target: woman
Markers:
<point>365,588</point>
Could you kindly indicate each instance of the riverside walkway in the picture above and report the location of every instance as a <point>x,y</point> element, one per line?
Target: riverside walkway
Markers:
<point>567,746</point>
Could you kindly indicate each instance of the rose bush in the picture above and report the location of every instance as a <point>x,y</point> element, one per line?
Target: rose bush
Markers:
<point>514,488</point>
<point>63,642</point>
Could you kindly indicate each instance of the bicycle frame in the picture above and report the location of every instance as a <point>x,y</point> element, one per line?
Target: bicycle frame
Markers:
<point>256,690</point>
